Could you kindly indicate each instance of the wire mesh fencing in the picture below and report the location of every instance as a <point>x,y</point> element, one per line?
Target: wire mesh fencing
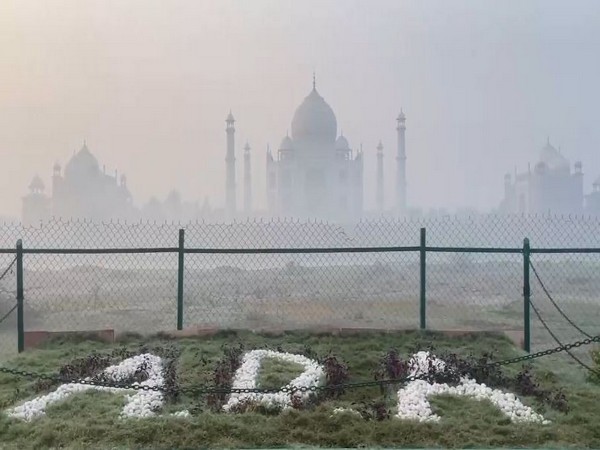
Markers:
<point>449,231</point>
<point>468,276</point>
<point>301,290</point>
<point>91,292</point>
<point>474,291</point>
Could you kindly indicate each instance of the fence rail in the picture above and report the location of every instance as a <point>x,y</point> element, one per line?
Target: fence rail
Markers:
<point>201,282</point>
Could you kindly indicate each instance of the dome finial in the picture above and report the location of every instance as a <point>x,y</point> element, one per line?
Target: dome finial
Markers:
<point>314,81</point>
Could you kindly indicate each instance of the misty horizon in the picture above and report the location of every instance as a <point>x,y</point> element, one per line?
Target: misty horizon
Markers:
<point>483,85</point>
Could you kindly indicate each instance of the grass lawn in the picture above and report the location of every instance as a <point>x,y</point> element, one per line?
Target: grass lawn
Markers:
<point>91,419</point>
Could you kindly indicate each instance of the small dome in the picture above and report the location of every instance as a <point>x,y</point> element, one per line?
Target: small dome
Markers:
<point>286,144</point>
<point>597,182</point>
<point>36,184</point>
<point>314,120</point>
<point>401,116</point>
<point>230,117</point>
<point>342,143</point>
<point>83,163</point>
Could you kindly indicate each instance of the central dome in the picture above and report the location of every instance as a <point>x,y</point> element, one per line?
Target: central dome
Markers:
<point>314,120</point>
<point>83,163</point>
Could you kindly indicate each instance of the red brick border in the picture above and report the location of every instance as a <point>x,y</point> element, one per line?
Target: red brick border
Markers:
<point>34,339</point>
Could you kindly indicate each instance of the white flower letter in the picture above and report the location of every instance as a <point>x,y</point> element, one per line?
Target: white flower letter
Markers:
<point>246,378</point>
<point>140,403</point>
<point>413,403</point>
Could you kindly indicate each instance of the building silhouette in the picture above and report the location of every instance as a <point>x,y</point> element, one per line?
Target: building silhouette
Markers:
<point>551,187</point>
<point>84,190</point>
<point>593,199</point>
<point>314,173</point>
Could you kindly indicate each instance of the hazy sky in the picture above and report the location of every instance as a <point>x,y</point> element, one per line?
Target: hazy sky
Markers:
<point>148,84</point>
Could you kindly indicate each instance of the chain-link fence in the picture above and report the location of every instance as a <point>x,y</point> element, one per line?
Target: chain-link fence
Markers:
<point>8,303</point>
<point>376,289</point>
<point>467,275</point>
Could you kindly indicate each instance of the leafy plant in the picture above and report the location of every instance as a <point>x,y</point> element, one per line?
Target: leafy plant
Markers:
<point>391,367</point>
<point>87,366</point>
<point>475,367</point>
<point>336,374</point>
<point>223,374</point>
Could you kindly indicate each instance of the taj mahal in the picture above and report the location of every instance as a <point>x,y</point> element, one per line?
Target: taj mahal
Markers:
<point>314,172</point>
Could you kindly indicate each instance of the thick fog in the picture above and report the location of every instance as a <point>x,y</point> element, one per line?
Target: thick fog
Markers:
<point>148,84</point>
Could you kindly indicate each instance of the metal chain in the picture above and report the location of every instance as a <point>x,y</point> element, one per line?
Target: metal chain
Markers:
<point>551,351</point>
<point>547,327</point>
<point>204,390</point>
<point>557,340</point>
<point>558,308</point>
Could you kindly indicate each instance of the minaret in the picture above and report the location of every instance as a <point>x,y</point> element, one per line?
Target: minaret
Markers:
<point>230,205</point>
<point>360,200</point>
<point>247,180</point>
<point>379,197</point>
<point>401,165</point>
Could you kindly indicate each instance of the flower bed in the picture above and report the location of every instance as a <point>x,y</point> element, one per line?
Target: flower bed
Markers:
<point>412,399</point>
<point>390,414</point>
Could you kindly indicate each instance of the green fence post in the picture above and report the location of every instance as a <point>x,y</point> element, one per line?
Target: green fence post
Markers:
<point>423,298</point>
<point>20,296</point>
<point>180,281</point>
<point>526,297</point>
